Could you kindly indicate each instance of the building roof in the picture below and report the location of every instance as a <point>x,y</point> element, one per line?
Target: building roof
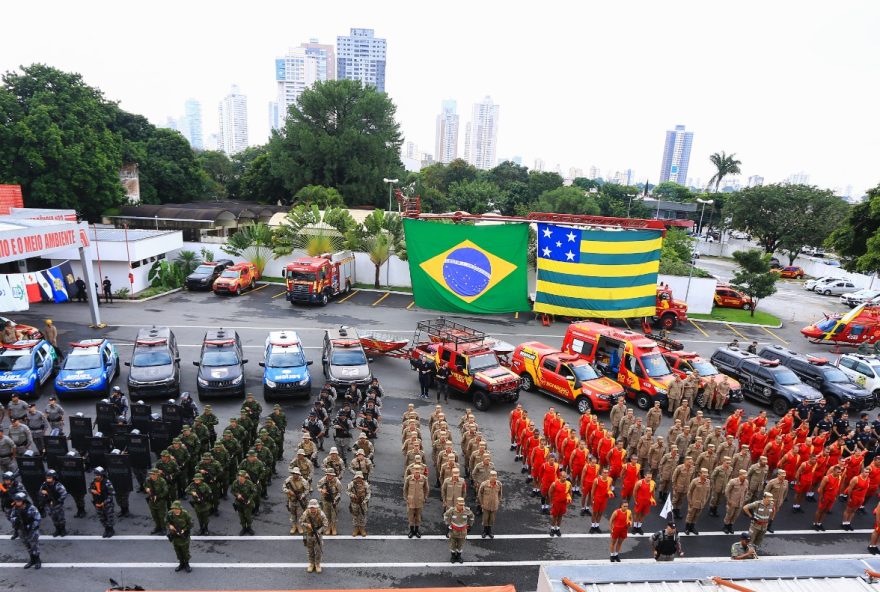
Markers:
<point>119,235</point>
<point>672,206</point>
<point>202,213</point>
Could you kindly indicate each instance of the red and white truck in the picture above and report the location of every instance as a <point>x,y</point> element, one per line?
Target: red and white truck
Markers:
<point>317,279</point>
<point>236,279</point>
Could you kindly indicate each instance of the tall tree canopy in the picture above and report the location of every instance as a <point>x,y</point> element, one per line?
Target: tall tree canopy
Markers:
<point>857,238</point>
<point>566,200</point>
<point>339,134</point>
<point>725,164</point>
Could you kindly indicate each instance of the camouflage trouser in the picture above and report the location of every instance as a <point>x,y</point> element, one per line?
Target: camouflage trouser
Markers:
<point>313,546</point>
<point>31,540</point>
<point>456,540</point>
<point>330,510</point>
<point>158,510</point>
<point>296,510</point>
<point>181,548</point>
<point>358,515</point>
<point>56,513</point>
<point>106,515</point>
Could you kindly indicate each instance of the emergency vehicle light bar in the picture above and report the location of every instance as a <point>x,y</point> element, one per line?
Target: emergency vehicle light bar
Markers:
<point>85,343</point>
<point>151,342</point>
<point>24,344</point>
<point>219,342</point>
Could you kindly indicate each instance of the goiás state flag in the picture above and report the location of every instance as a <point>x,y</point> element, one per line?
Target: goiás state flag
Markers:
<point>464,268</point>
<point>608,274</point>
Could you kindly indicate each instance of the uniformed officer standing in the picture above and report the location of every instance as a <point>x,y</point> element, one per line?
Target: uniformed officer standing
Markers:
<point>51,497</point>
<point>245,495</point>
<point>55,415</point>
<point>156,489</point>
<point>330,489</point>
<point>312,523</point>
<point>16,408</point>
<point>170,470</point>
<point>7,453</point>
<point>459,518</point>
<point>342,427</point>
<point>21,435</point>
<point>415,492</point>
<point>297,490</point>
<point>200,497</point>
<point>103,499</point>
<point>761,513</point>
<point>697,497</point>
<point>37,424</point>
<point>362,464</point>
<point>302,463</point>
<point>359,495</point>
<point>676,390</point>
<point>179,531</point>
<point>489,497</point>
<point>210,421</point>
<point>26,520</point>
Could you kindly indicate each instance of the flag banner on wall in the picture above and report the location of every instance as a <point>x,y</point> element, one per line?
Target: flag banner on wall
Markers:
<point>59,287</point>
<point>45,284</point>
<point>18,291</point>
<point>69,278</point>
<point>33,288</point>
<point>604,274</point>
<point>463,268</point>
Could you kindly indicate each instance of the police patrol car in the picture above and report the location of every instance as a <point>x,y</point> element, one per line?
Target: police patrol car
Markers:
<point>90,367</point>
<point>25,366</point>
<point>286,368</point>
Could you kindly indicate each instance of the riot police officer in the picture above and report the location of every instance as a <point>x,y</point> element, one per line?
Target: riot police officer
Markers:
<point>103,496</point>
<point>51,498</point>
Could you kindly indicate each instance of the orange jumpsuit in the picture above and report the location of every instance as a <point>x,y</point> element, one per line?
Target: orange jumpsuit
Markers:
<point>829,495</point>
<point>630,475</point>
<point>732,425</point>
<point>615,462</point>
<point>859,493</point>
<point>644,496</point>
<point>577,460</point>
<point>759,441</point>
<point>588,476</point>
<point>560,496</point>
<point>620,522</point>
<point>601,494</point>
<point>548,476</point>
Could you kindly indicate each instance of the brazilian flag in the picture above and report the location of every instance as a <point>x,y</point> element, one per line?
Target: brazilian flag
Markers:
<point>463,268</point>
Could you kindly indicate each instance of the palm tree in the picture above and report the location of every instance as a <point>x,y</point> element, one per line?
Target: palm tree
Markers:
<point>378,247</point>
<point>724,165</point>
<point>188,260</point>
<point>316,232</point>
<point>252,242</point>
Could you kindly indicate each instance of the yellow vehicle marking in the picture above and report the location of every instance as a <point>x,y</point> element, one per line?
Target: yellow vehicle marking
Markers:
<point>381,298</point>
<point>732,328</point>
<point>260,288</point>
<point>700,329</point>
<point>516,315</point>
<point>280,294</point>
<point>774,335</point>
<point>410,305</point>
<point>347,297</point>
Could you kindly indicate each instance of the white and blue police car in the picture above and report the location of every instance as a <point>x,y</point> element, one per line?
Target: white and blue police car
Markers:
<point>90,367</point>
<point>25,366</point>
<point>286,371</point>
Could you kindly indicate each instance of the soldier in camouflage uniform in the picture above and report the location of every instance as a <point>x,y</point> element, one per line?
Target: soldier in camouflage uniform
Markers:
<point>184,462</point>
<point>170,471</point>
<point>276,435</point>
<point>26,520</point>
<point>221,455</point>
<point>278,417</point>
<point>210,421</point>
<point>362,464</point>
<point>256,470</point>
<point>459,519</point>
<point>203,434</point>
<point>359,494</point>
<point>201,499</point>
<point>335,462</point>
<point>297,490</point>
<point>308,446</point>
<point>233,447</point>
<point>239,432</point>
<point>303,464</point>
<point>192,443</point>
<point>330,489</point>
<point>179,524</point>
<point>156,489</point>
<point>312,523</point>
<point>245,496</point>
<point>212,471</point>
<point>253,407</point>
<point>268,459</point>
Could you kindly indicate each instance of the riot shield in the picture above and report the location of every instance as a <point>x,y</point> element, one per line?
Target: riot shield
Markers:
<point>160,435</point>
<point>71,471</point>
<point>80,432</point>
<point>56,447</point>
<point>99,446</point>
<point>139,451</point>
<point>119,469</point>
<point>141,416</point>
<point>119,439</point>
<point>105,417</point>
<point>33,473</point>
<point>172,413</point>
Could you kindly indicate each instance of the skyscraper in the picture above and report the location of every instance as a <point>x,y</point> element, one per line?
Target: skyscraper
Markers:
<point>326,56</point>
<point>294,72</point>
<point>274,120</point>
<point>481,134</point>
<point>191,126</point>
<point>676,155</point>
<point>446,144</point>
<point>233,122</point>
<point>361,56</point>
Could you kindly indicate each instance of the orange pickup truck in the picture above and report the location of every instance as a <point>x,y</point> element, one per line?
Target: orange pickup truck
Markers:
<point>236,279</point>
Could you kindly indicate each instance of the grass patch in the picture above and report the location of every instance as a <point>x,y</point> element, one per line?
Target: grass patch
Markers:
<point>272,278</point>
<point>736,315</point>
<point>406,289</point>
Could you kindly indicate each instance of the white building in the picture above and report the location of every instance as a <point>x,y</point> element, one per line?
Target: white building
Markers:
<point>756,181</point>
<point>325,53</point>
<point>481,135</point>
<point>233,122</point>
<point>191,125</point>
<point>295,71</point>
<point>361,56</point>
<point>539,165</point>
<point>799,178</point>
<point>446,137</point>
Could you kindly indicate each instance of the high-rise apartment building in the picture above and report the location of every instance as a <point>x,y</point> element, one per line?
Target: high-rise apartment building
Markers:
<point>274,119</point>
<point>294,72</point>
<point>539,165</point>
<point>799,178</point>
<point>756,181</point>
<point>191,126</point>
<point>361,56</point>
<point>446,137</point>
<point>481,134</point>
<point>676,155</point>
<point>325,54</point>
<point>233,122</point>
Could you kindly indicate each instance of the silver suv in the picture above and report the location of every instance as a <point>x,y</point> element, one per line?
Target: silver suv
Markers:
<point>836,288</point>
<point>344,359</point>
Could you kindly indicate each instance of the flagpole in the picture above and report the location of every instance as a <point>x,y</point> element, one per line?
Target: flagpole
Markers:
<point>97,250</point>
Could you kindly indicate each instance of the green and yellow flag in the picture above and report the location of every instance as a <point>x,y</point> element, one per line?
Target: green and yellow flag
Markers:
<point>475,269</point>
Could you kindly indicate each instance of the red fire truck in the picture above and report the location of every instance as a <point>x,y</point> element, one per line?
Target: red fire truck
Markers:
<point>317,279</point>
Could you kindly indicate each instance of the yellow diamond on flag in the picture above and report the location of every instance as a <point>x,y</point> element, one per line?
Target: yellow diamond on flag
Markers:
<point>467,270</point>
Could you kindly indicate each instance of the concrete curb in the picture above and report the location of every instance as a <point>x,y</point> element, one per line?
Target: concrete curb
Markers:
<point>736,324</point>
<point>381,291</point>
<point>151,297</point>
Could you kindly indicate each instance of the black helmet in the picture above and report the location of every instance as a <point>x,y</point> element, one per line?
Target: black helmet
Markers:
<point>99,471</point>
<point>185,395</point>
<point>52,473</point>
<point>20,497</point>
<point>116,390</point>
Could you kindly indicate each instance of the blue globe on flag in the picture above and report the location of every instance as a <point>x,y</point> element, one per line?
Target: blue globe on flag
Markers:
<point>467,271</point>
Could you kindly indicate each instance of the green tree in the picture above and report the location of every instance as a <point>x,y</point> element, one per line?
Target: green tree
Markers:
<point>339,134</point>
<point>789,216</point>
<point>541,181</point>
<point>621,201</point>
<point>725,164</point>
<point>587,184</point>
<point>307,228</point>
<point>857,238</point>
<point>258,182</point>
<point>475,197</point>
<point>252,242</point>
<point>753,277</point>
<point>513,181</point>
<point>384,237</point>
<point>57,143</point>
<point>220,170</point>
<point>671,191</point>
<point>566,200</point>
<point>320,196</point>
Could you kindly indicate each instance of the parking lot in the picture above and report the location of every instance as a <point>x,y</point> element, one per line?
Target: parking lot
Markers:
<point>224,560</point>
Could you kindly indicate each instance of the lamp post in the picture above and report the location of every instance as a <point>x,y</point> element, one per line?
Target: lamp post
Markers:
<point>702,211</point>
<point>391,183</point>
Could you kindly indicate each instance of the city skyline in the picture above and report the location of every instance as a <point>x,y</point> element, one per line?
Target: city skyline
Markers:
<point>798,95</point>
<point>233,122</point>
<point>676,155</point>
<point>481,134</point>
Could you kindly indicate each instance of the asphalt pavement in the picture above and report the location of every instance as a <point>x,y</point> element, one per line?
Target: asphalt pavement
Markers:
<point>273,559</point>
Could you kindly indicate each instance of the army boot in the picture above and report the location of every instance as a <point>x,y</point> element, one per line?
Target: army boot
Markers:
<point>186,567</point>
<point>37,563</point>
<point>489,532</point>
<point>310,568</point>
<point>294,529</point>
<point>485,532</point>
<point>412,532</point>
<point>14,535</point>
<point>418,533</point>
<point>31,562</point>
<point>451,557</point>
<point>318,568</point>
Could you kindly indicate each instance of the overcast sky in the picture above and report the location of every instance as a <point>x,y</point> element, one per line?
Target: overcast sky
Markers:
<point>788,86</point>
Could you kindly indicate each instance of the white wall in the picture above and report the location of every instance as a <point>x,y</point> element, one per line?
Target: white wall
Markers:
<point>117,271</point>
<point>699,296</point>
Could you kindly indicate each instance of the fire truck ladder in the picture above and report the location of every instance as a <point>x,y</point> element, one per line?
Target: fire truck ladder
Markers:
<point>442,330</point>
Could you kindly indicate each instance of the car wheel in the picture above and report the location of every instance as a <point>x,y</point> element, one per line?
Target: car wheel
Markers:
<point>780,406</point>
<point>527,383</point>
<point>253,285</point>
<point>827,292</point>
<point>746,306</point>
<point>116,372</point>
<point>668,321</point>
<point>643,401</point>
<point>324,299</point>
<point>481,401</point>
<point>583,405</point>
<point>234,291</point>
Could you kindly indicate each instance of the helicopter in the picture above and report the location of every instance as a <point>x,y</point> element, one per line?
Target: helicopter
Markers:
<point>860,326</point>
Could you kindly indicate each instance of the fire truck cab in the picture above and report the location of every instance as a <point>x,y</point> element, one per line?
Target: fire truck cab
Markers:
<point>630,358</point>
<point>317,279</point>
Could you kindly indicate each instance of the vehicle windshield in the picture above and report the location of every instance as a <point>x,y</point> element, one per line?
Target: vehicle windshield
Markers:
<point>704,368</point>
<point>827,324</point>
<point>785,377</point>
<point>482,362</point>
<point>584,372</point>
<point>288,357</point>
<point>14,363</point>
<point>655,365</point>
<point>86,362</point>
<point>159,357</point>
<point>306,276</point>
<point>219,357</point>
<point>832,374</point>
<point>348,357</point>
<point>230,274</point>
<point>204,269</point>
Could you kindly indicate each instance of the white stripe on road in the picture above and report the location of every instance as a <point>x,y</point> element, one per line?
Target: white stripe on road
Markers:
<point>412,564</point>
<point>430,537</point>
<point>117,344</point>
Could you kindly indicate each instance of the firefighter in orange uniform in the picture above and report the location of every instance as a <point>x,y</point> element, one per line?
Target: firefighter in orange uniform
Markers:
<point>828,490</point>
<point>602,492</point>
<point>620,521</point>
<point>559,495</point>
<point>644,500</point>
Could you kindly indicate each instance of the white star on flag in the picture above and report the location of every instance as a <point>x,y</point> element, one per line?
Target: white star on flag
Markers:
<point>569,255</point>
<point>558,244</point>
<point>547,232</point>
<point>571,236</point>
<point>546,251</point>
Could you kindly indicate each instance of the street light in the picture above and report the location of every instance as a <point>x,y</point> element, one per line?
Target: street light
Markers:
<point>391,183</point>
<point>702,211</point>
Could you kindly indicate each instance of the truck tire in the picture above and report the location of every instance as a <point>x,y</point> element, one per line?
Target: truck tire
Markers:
<point>528,383</point>
<point>779,405</point>
<point>643,401</point>
<point>668,321</point>
<point>481,400</point>
<point>583,405</point>
<point>324,298</point>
